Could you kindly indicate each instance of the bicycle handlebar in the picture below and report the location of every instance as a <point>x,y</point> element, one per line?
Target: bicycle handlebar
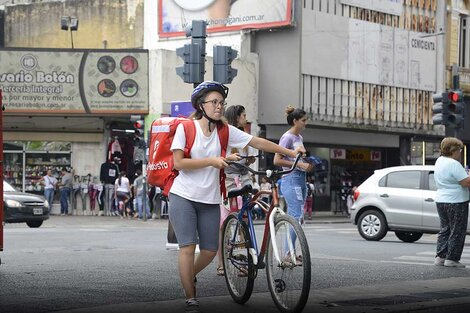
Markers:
<point>268,173</point>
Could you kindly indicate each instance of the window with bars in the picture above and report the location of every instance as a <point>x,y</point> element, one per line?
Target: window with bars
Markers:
<point>464,40</point>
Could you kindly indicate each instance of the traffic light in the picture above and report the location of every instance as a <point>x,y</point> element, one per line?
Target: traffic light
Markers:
<point>192,71</point>
<point>193,54</point>
<point>440,108</point>
<point>139,141</point>
<point>223,57</point>
<point>456,109</point>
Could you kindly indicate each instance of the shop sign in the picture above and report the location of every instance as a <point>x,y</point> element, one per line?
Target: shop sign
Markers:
<point>375,156</point>
<point>74,81</point>
<point>220,16</point>
<point>358,155</point>
<point>338,154</point>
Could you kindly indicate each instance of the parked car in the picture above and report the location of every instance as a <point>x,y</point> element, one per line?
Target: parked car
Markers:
<point>399,199</point>
<point>22,207</point>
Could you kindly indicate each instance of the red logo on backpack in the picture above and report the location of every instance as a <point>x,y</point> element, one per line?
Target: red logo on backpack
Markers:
<point>160,171</point>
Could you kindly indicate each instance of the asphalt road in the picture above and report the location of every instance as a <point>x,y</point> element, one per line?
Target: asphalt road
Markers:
<point>99,264</point>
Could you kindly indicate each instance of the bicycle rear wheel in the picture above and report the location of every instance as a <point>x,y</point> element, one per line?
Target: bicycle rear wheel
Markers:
<point>238,263</point>
<point>289,281</point>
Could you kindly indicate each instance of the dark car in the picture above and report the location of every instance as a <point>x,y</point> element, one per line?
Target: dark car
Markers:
<point>21,207</point>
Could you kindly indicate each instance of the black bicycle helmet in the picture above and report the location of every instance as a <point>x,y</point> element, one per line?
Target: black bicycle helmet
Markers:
<point>205,87</point>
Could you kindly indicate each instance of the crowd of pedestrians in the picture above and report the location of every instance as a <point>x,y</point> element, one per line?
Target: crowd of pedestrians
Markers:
<point>125,201</point>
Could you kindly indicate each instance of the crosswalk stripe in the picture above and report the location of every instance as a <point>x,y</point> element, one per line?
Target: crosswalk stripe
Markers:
<point>433,253</point>
<point>417,258</point>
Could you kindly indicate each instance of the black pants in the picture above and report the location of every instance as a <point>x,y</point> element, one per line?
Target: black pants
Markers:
<point>451,237</point>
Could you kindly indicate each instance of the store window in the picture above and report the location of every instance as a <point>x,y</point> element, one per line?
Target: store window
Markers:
<point>424,153</point>
<point>26,162</point>
<point>464,42</point>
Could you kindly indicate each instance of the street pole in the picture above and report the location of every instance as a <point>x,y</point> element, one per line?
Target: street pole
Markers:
<point>71,36</point>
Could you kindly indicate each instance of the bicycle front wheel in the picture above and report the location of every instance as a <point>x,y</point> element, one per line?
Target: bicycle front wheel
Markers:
<point>289,278</point>
<point>237,260</point>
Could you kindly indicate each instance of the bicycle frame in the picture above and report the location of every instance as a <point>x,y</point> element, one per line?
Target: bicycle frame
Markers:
<point>271,211</point>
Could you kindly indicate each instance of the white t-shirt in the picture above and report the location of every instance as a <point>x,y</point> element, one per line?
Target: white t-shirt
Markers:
<point>202,185</point>
<point>124,186</point>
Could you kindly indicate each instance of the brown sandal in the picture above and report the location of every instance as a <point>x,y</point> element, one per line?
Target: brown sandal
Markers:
<point>220,271</point>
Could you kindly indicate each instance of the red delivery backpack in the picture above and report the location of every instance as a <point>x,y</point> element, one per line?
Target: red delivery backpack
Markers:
<point>160,171</point>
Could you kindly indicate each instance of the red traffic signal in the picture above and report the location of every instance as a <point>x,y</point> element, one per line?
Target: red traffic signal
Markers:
<point>139,124</point>
<point>455,96</point>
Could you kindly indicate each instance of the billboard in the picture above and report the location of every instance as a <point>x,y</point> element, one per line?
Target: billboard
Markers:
<point>58,81</point>
<point>222,15</point>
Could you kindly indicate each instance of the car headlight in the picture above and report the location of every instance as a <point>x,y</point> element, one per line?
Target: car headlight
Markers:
<point>13,204</point>
<point>46,204</point>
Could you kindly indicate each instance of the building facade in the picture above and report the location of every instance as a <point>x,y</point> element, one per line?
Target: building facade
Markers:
<point>364,72</point>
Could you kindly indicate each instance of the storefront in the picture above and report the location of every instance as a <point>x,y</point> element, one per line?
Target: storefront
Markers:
<point>348,158</point>
<point>26,162</point>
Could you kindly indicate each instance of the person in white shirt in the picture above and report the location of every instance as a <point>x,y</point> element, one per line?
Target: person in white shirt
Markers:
<point>195,195</point>
<point>50,184</point>
<point>122,193</point>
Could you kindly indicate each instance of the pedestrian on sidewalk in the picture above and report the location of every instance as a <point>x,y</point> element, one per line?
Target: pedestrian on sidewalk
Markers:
<point>452,196</point>
<point>65,187</point>
<point>309,200</point>
<point>139,196</point>
<point>50,184</point>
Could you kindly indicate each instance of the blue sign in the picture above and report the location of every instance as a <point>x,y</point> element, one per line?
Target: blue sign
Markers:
<point>181,108</point>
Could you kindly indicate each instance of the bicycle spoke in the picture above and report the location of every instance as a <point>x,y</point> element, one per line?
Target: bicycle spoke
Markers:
<point>238,264</point>
<point>289,277</point>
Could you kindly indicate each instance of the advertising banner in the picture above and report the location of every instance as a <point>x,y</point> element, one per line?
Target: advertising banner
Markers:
<point>74,81</point>
<point>222,15</point>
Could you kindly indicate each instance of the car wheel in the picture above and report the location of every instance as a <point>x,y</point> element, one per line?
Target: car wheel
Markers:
<point>372,225</point>
<point>34,224</point>
<point>408,236</point>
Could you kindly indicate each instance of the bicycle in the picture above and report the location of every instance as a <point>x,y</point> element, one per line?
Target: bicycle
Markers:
<point>284,246</point>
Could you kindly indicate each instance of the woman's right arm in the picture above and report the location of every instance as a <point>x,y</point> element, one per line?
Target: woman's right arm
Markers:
<point>465,182</point>
<point>182,163</point>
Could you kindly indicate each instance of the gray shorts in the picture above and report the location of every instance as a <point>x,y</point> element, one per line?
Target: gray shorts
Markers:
<point>190,219</point>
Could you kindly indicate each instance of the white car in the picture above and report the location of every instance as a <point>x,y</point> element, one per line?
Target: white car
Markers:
<point>399,199</point>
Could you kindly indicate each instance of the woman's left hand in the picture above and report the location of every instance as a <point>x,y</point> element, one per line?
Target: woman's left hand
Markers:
<point>250,160</point>
<point>233,157</point>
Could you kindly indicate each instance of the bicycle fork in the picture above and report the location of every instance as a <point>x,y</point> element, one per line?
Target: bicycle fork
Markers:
<point>277,211</point>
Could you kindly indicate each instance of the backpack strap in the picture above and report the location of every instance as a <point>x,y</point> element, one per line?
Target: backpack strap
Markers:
<point>190,134</point>
<point>223,132</point>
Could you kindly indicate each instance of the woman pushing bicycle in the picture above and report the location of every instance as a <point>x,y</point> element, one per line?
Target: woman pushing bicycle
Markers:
<point>195,195</point>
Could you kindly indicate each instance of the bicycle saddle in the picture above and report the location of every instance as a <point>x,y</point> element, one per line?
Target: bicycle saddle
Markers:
<point>238,192</point>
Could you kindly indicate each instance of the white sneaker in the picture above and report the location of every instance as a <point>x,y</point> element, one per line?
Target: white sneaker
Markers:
<point>450,263</point>
<point>438,261</point>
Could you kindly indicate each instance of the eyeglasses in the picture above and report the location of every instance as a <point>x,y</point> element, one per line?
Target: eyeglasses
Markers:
<point>216,103</point>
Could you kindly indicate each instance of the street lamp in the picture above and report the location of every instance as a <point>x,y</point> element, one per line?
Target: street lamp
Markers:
<point>69,22</point>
